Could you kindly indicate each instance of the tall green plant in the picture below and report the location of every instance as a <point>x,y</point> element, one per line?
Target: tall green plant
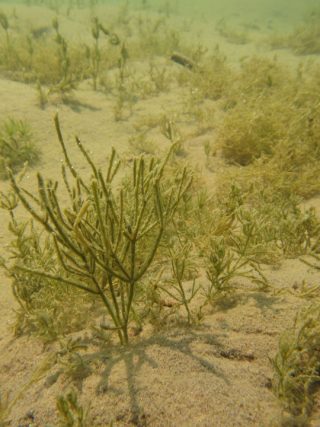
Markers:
<point>67,81</point>
<point>107,238</point>
<point>5,25</point>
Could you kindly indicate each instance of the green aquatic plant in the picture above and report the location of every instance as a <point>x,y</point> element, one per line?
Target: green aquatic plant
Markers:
<point>249,131</point>
<point>259,75</point>
<point>98,57</point>
<point>42,95</point>
<point>35,56</point>
<point>60,63</point>
<point>304,39</point>
<point>297,364</point>
<point>71,412</point>
<point>69,361</point>
<point>45,310</point>
<point>5,409</point>
<point>169,129</point>
<point>155,37</point>
<point>160,77</point>
<point>278,145</point>
<point>17,146</point>
<point>227,262</point>
<point>221,268</point>
<point>282,228</point>
<point>106,240</point>
<point>9,58</point>
<point>305,290</point>
<point>123,96</point>
<point>67,81</point>
<point>95,55</point>
<point>212,78</point>
<point>4,22</point>
<point>182,270</point>
<point>30,50</point>
<point>142,144</point>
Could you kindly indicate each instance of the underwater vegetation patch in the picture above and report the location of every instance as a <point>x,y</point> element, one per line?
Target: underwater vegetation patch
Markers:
<point>250,131</point>
<point>304,39</point>
<point>106,241</point>
<point>297,365</point>
<point>17,146</point>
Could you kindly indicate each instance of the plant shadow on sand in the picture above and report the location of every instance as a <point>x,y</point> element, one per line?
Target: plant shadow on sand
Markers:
<point>78,107</point>
<point>135,356</point>
<point>263,302</point>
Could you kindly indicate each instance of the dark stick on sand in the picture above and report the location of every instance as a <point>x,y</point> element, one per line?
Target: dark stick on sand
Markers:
<point>182,60</point>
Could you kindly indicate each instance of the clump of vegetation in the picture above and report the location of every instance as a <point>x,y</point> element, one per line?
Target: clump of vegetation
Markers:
<point>96,55</point>
<point>66,80</point>
<point>211,79</point>
<point>257,118</point>
<point>262,77</point>
<point>297,364</point>
<point>294,167</point>
<point>46,57</point>
<point>106,240</point>
<point>71,412</point>
<point>183,269</point>
<point>4,409</point>
<point>228,262</point>
<point>45,310</point>
<point>248,132</point>
<point>17,146</point>
<point>280,227</point>
<point>303,40</point>
<point>278,145</point>
<point>155,37</point>
<point>142,144</point>
<point>4,22</point>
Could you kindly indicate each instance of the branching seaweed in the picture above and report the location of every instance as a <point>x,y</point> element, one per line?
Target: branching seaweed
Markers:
<point>71,412</point>
<point>105,241</point>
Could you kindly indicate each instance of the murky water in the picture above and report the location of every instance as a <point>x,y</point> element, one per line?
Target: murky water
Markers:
<point>293,9</point>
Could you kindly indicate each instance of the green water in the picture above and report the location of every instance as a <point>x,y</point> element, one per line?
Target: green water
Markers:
<point>284,9</point>
<point>206,8</point>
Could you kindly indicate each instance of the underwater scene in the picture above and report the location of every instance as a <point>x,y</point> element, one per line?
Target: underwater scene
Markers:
<point>160,213</point>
